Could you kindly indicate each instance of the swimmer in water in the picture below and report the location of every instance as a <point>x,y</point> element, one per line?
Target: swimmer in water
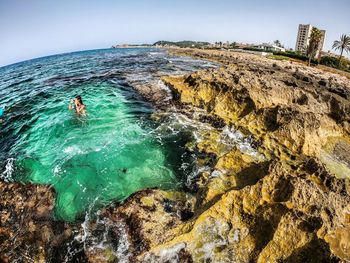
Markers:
<point>78,105</point>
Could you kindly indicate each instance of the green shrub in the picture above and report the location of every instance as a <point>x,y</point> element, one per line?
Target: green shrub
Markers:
<point>334,63</point>
<point>291,55</point>
<point>330,62</point>
<point>295,55</point>
<point>278,57</point>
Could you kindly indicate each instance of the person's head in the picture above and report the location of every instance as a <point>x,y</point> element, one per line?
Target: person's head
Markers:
<point>79,99</point>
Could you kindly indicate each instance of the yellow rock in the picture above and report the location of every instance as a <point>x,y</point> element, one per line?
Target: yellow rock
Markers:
<point>339,242</point>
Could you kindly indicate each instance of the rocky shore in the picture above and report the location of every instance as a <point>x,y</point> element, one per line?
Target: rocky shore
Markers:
<point>285,199</point>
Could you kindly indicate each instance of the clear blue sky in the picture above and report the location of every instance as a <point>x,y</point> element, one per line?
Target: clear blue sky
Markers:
<point>34,28</point>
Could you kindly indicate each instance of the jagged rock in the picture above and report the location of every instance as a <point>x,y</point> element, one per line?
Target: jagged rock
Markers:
<point>294,205</point>
<point>279,218</point>
<point>290,120</point>
<point>26,221</point>
<point>145,220</point>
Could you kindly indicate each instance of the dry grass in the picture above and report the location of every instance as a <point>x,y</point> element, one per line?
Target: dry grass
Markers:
<point>334,70</point>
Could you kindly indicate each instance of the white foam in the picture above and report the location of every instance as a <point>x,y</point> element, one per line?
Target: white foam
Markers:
<point>82,237</point>
<point>209,247</point>
<point>232,137</point>
<point>92,242</point>
<point>236,234</point>
<point>57,170</point>
<point>73,150</point>
<point>170,255</point>
<point>210,235</point>
<point>162,85</point>
<point>216,173</point>
<point>122,252</point>
<point>214,235</point>
<point>175,122</point>
<point>9,169</point>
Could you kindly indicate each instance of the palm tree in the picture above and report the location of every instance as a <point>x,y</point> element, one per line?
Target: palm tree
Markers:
<point>314,43</point>
<point>342,44</point>
<point>277,43</point>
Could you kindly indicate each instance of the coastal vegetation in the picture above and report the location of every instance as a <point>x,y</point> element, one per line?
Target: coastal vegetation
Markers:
<point>183,44</point>
<point>293,55</point>
<point>343,45</point>
<point>334,62</point>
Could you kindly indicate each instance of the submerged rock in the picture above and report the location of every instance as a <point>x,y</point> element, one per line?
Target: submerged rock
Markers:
<point>28,231</point>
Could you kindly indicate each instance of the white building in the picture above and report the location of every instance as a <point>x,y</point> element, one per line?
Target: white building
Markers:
<point>270,47</point>
<point>303,39</point>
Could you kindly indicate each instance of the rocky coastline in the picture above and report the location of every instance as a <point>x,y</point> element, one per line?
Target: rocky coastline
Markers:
<point>285,200</point>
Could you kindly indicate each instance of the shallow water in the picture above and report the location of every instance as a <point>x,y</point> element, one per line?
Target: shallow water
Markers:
<point>114,151</point>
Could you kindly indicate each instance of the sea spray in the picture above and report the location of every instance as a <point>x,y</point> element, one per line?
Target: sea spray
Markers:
<point>235,138</point>
<point>100,234</point>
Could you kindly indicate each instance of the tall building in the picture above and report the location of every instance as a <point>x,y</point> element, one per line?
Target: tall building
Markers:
<point>303,38</point>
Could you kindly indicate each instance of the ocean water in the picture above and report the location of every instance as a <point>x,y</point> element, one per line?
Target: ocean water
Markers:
<point>114,151</point>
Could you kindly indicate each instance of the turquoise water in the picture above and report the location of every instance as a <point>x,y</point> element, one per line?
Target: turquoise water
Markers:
<point>105,156</point>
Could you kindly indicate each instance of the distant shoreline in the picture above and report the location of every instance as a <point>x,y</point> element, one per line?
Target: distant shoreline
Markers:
<point>132,46</point>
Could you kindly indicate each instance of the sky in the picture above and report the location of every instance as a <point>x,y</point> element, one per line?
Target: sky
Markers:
<point>35,28</point>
